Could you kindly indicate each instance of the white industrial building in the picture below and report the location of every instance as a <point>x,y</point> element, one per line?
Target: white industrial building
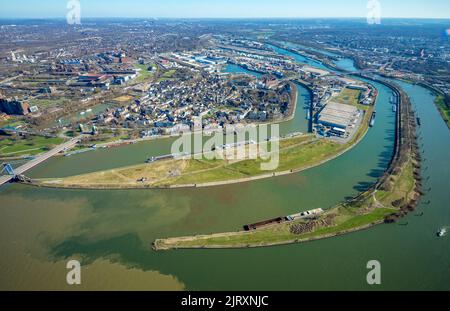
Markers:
<point>339,116</point>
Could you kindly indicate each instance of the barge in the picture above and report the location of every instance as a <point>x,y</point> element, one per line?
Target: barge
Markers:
<point>372,119</point>
<point>265,223</point>
<point>160,158</point>
<point>279,220</point>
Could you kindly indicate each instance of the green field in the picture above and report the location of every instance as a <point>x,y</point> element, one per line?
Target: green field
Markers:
<point>144,75</point>
<point>443,109</point>
<point>346,219</point>
<point>15,147</point>
<point>295,153</point>
<point>349,97</point>
<point>47,102</point>
<point>168,75</point>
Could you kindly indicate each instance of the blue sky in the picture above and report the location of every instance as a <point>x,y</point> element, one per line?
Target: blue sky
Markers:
<point>222,8</point>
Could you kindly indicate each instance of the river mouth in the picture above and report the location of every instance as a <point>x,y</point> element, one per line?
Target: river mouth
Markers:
<point>119,226</point>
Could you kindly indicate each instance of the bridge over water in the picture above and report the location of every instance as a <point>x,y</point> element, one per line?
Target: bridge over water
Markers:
<point>38,160</point>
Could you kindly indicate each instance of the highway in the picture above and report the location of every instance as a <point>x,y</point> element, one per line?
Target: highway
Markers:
<point>39,159</point>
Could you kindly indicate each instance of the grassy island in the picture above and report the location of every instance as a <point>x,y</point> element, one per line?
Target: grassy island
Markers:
<point>372,207</point>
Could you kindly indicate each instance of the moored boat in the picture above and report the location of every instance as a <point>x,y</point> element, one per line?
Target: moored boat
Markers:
<point>442,232</point>
<point>372,119</point>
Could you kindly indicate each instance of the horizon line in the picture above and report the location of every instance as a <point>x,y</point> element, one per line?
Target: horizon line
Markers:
<point>206,17</point>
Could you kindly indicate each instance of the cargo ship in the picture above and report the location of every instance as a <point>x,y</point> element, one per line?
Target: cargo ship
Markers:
<point>372,119</point>
<point>163,157</point>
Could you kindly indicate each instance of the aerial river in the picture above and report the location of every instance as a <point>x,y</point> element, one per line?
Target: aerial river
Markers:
<point>111,231</point>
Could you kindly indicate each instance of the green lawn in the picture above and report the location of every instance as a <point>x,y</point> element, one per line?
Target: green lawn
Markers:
<point>197,165</point>
<point>291,158</point>
<point>168,75</point>
<point>444,110</point>
<point>279,234</point>
<point>11,147</point>
<point>213,175</point>
<point>295,153</point>
<point>402,185</point>
<point>144,75</point>
<point>47,102</point>
<point>349,97</point>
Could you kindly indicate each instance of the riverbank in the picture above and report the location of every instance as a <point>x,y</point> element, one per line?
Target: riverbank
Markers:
<point>293,102</point>
<point>296,154</point>
<point>394,195</point>
<point>444,110</point>
<point>440,102</point>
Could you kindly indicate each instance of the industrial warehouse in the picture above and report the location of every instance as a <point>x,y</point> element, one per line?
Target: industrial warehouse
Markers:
<point>337,119</point>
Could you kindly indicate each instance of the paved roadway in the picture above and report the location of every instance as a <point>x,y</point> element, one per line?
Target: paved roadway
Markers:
<point>39,159</point>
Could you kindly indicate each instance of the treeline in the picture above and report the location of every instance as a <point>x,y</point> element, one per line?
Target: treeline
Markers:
<point>406,149</point>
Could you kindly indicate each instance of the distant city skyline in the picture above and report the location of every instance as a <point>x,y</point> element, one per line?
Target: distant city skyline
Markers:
<point>225,9</point>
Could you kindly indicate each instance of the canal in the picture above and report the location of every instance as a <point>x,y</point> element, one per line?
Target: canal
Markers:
<point>111,231</point>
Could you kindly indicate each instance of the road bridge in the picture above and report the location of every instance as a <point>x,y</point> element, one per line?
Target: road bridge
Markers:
<point>38,160</point>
